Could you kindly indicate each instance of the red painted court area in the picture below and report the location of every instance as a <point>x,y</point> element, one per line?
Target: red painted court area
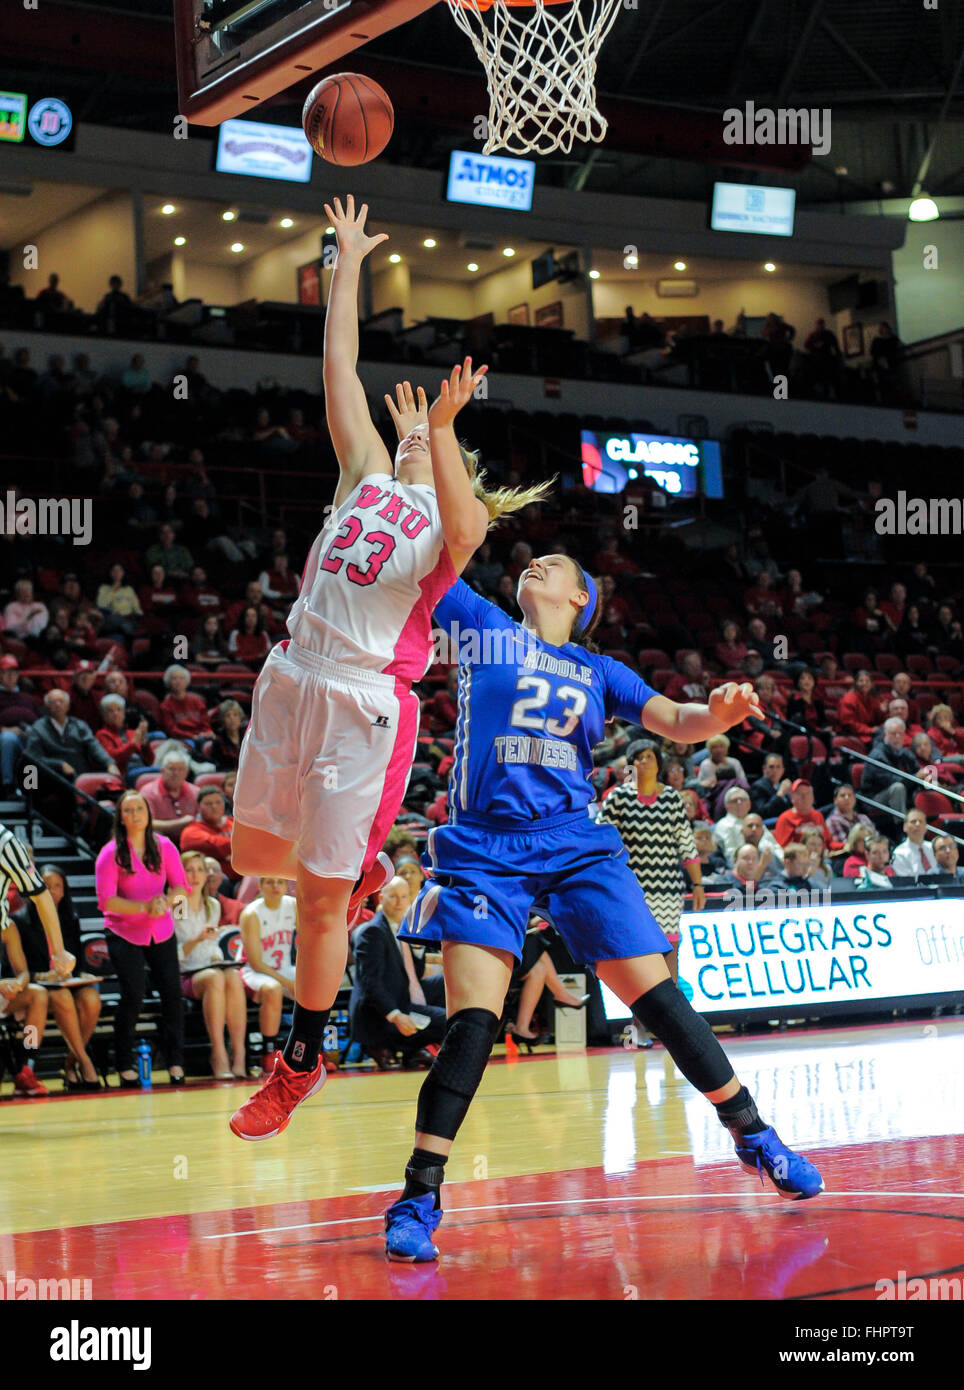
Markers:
<point>668,1230</point>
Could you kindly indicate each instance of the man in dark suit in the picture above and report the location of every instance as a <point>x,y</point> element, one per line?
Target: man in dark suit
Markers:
<point>386,991</point>
<point>770,794</point>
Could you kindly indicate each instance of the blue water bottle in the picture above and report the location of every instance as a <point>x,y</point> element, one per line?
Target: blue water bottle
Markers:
<point>144,1064</point>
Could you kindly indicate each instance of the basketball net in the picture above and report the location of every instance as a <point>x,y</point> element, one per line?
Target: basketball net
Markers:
<point>540,64</point>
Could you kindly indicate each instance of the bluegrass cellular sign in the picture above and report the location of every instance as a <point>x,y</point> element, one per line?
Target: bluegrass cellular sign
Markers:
<point>780,958</point>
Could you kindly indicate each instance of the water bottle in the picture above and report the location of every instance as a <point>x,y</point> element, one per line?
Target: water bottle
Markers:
<point>144,1064</point>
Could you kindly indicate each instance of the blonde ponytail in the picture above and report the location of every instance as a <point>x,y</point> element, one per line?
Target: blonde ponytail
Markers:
<point>501,501</point>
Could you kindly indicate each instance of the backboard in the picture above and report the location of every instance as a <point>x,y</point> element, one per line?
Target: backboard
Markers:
<point>234,54</point>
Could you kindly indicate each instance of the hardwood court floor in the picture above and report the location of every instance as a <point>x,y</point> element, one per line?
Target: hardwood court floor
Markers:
<point>607,1158</point>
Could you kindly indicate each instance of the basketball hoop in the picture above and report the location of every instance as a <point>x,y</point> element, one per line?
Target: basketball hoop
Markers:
<point>540,62</point>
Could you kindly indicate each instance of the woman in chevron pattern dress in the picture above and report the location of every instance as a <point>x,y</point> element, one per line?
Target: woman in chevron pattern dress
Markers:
<point>653,825</point>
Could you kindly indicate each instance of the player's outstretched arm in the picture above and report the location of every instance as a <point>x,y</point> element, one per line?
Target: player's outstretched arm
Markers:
<point>464,517</point>
<point>358,445</point>
<point>728,705</point>
<point>407,411</point>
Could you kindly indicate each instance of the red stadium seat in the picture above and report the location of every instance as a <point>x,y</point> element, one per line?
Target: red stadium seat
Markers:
<point>150,704</point>
<point>947,664</point>
<point>210,779</point>
<point>887,663</point>
<point>95,784</point>
<point>848,741</point>
<point>857,775</point>
<point>683,651</point>
<point>652,656</point>
<point>661,677</point>
<point>933,804</point>
<point>919,665</point>
<point>14,647</point>
<point>48,580</point>
<point>718,603</point>
<point>799,748</point>
<point>243,697</point>
<point>855,661</point>
<point>151,775</point>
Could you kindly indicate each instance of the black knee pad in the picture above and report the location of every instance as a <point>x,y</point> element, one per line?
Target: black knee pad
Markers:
<point>455,1075</point>
<point>686,1035</point>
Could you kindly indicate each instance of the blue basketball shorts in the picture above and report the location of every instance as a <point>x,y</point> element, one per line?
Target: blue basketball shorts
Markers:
<point>484,880</point>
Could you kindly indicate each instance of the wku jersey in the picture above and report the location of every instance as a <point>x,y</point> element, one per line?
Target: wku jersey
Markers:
<point>372,578</point>
<point>278,926</point>
<point>529,714</point>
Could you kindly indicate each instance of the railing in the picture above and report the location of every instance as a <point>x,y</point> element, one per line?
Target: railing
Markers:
<point>854,756</point>
<point>100,818</point>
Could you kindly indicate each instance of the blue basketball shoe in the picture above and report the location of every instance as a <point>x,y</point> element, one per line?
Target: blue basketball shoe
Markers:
<point>791,1174</point>
<point>408,1229</point>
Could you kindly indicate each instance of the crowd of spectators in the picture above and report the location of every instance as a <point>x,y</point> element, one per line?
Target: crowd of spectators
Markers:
<point>134,665</point>
<point>743,357</point>
<point>737,358</point>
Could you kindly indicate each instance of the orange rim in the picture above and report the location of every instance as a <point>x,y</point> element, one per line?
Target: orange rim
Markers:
<point>513,4</point>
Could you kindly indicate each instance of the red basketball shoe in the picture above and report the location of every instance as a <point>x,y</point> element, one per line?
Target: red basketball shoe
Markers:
<point>372,880</point>
<point>26,1084</point>
<point>269,1110</point>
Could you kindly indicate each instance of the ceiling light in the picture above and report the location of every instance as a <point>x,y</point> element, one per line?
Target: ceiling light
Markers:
<point>679,265</point>
<point>237,247</point>
<point>631,262</point>
<point>394,258</point>
<point>168,208</point>
<point>180,240</point>
<point>228,216</point>
<point>508,250</point>
<point>287,222</point>
<point>594,275</point>
<point>429,243</point>
<point>769,267</point>
<point>472,266</point>
<point>923,209</point>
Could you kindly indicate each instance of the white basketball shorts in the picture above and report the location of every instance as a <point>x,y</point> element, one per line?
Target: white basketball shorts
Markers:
<point>326,758</point>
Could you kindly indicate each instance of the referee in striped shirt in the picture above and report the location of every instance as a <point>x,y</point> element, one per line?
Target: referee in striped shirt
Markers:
<point>17,867</point>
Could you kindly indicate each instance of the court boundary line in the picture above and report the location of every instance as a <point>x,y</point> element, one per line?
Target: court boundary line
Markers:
<point>568,1202</point>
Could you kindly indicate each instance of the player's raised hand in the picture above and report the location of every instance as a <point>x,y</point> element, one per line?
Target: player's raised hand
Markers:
<point>732,703</point>
<point>410,412</point>
<point>350,228</point>
<point>455,393</point>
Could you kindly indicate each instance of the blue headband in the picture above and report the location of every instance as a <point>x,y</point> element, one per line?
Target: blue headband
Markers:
<point>590,608</point>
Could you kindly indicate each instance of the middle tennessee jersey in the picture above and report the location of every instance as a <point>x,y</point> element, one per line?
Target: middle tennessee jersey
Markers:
<point>529,714</point>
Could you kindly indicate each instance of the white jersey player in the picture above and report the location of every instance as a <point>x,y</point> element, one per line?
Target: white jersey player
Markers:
<point>327,755</point>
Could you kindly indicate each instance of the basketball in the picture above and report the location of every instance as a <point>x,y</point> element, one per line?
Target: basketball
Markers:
<point>348,119</point>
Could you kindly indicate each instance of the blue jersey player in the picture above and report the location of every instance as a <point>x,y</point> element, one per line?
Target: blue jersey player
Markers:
<point>532,701</point>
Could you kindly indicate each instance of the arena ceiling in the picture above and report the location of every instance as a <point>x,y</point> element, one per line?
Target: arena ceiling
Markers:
<point>883,69</point>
